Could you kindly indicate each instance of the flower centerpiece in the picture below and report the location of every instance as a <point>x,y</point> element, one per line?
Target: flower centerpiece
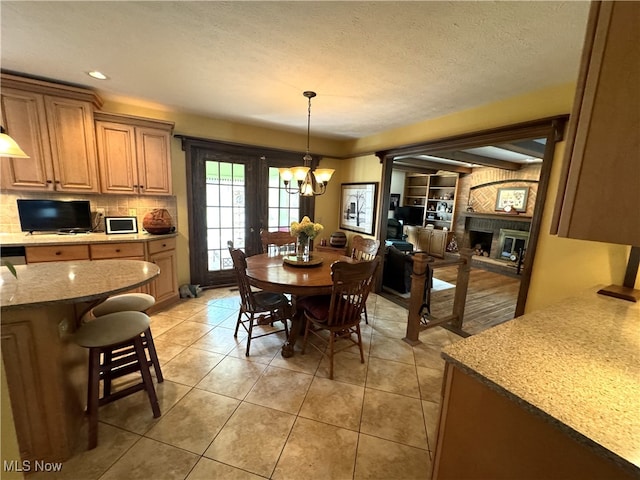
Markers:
<point>305,230</point>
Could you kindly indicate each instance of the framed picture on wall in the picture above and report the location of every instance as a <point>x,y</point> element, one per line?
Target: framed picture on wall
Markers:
<point>358,207</point>
<point>394,201</point>
<point>515,198</point>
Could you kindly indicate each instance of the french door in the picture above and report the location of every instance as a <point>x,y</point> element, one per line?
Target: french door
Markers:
<point>233,192</point>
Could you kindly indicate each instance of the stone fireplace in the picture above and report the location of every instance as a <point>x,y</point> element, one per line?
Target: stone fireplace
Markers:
<point>500,235</point>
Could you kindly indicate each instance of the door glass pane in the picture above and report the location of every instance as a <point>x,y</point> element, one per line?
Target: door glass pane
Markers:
<point>283,207</point>
<point>225,184</point>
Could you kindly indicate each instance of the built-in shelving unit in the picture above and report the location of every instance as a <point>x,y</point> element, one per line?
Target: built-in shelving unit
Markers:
<point>436,193</point>
<point>415,190</point>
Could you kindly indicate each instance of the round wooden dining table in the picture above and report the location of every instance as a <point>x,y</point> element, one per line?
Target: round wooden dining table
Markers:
<point>271,273</point>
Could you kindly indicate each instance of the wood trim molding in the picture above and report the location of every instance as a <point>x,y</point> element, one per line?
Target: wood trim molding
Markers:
<point>45,87</point>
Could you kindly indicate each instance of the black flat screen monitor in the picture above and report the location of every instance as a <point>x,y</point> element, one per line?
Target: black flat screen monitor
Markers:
<point>72,216</point>
<point>410,215</point>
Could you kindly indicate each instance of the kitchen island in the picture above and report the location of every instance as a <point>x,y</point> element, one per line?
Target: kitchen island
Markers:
<point>46,371</point>
<point>552,394</point>
<point>158,249</point>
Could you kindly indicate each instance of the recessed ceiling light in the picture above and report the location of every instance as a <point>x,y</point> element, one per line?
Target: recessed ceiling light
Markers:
<point>97,75</point>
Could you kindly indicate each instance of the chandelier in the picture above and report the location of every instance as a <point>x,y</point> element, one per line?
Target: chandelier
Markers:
<point>310,182</point>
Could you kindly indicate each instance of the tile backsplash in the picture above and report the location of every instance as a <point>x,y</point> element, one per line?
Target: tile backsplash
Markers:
<point>113,206</point>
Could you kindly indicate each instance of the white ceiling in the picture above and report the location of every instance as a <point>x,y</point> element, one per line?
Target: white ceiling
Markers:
<point>374,65</point>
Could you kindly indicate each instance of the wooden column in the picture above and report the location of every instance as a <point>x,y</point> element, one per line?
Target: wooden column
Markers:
<point>462,284</point>
<point>418,277</point>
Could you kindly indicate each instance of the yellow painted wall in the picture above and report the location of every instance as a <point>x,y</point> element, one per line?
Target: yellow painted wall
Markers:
<point>532,106</point>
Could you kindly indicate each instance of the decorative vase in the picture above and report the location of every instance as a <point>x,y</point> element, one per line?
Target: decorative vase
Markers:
<point>158,221</point>
<point>302,248</point>
<point>338,239</point>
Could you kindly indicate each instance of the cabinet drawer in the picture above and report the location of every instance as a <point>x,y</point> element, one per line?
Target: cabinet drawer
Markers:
<point>162,245</point>
<point>117,250</point>
<point>57,253</point>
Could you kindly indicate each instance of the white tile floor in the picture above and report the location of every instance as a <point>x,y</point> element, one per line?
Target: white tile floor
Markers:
<point>228,416</point>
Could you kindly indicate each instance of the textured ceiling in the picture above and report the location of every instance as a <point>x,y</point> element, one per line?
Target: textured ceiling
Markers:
<point>374,65</point>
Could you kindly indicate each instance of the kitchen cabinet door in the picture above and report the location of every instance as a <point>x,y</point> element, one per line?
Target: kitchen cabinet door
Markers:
<point>165,286</point>
<point>24,117</point>
<point>154,160</point>
<point>599,189</point>
<point>117,157</point>
<point>73,146</point>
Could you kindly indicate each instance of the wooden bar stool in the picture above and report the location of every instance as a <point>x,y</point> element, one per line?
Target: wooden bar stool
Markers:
<point>132,302</point>
<point>117,338</point>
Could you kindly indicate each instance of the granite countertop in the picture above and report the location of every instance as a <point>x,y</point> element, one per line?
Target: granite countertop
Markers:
<point>45,283</point>
<point>23,239</point>
<point>577,364</point>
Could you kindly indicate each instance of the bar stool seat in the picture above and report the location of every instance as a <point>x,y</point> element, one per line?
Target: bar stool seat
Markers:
<point>136,302</point>
<point>116,339</point>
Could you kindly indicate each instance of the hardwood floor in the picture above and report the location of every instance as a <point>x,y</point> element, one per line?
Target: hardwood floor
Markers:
<point>491,298</point>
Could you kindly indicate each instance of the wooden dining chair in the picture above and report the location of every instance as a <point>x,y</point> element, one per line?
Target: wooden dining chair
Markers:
<point>340,313</point>
<point>277,240</point>
<point>364,249</point>
<point>259,307</point>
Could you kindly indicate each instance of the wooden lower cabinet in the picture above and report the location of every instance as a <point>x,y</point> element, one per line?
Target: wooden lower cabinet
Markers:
<point>162,252</point>
<point>37,352</point>
<point>104,251</point>
<point>428,240</point>
<point>57,253</point>
<point>485,434</point>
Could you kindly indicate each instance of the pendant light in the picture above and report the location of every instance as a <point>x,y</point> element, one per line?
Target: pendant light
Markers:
<point>309,182</point>
<point>9,147</point>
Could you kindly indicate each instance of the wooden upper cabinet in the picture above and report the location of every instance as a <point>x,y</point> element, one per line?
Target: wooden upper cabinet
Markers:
<point>116,157</point>
<point>24,118</point>
<point>134,154</point>
<point>54,125</point>
<point>154,160</point>
<point>599,193</point>
<point>73,146</point>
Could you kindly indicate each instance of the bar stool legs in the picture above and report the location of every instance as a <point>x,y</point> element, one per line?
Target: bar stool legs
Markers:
<point>147,342</point>
<point>138,302</point>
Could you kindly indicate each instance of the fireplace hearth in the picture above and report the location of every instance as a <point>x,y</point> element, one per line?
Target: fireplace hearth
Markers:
<point>481,242</point>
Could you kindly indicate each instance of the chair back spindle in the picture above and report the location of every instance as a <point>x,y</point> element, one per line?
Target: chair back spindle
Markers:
<point>276,241</point>
<point>364,249</point>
